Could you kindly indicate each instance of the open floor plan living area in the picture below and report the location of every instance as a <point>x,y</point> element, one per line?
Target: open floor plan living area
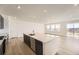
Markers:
<point>39,29</point>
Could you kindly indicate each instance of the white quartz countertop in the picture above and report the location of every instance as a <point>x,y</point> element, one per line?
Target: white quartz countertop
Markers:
<point>44,37</point>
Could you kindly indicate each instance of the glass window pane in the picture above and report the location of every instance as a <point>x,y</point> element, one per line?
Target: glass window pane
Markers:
<point>76,30</point>
<point>52,27</point>
<point>57,25</point>
<point>70,29</point>
<point>48,27</point>
<point>69,25</point>
<point>76,25</point>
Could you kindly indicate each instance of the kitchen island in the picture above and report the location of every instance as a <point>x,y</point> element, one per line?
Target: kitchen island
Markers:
<point>43,44</point>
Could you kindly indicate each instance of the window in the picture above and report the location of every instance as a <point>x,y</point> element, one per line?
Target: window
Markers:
<point>47,28</point>
<point>52,28</point>
<point>69,26</point>
<point>76,27</point>
<point>76,30</point>
<point>57,27</point>
<point>73,30</point>
<point>70,29</point>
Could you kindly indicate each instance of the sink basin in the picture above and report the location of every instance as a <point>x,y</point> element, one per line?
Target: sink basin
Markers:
<point>1,37</point>
<point>32,34</point>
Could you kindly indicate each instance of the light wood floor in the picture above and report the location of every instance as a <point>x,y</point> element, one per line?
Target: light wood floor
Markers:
<point>16,46</point>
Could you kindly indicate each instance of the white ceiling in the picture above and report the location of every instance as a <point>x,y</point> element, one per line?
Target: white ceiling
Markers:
<point>42,13</point>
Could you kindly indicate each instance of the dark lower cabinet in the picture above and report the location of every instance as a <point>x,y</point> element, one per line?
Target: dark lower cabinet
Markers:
<point>38,47</point>
<point>1,51</point>
<point>32,41</point>
<point>2,47</point>
<point>27,40</point>
<point>34,44</point>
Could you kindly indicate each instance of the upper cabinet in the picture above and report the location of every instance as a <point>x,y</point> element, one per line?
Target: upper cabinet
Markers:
<point>1,22</point>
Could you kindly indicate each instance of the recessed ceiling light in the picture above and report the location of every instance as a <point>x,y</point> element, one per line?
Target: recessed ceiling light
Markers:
<point>19,7</point>
<point>15,17</point>
<point>45,11</point>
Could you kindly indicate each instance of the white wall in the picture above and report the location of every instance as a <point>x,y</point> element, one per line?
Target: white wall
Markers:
<point>18,27</point>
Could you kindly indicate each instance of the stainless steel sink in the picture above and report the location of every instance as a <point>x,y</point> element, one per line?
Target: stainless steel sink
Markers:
<point>31,34</point>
